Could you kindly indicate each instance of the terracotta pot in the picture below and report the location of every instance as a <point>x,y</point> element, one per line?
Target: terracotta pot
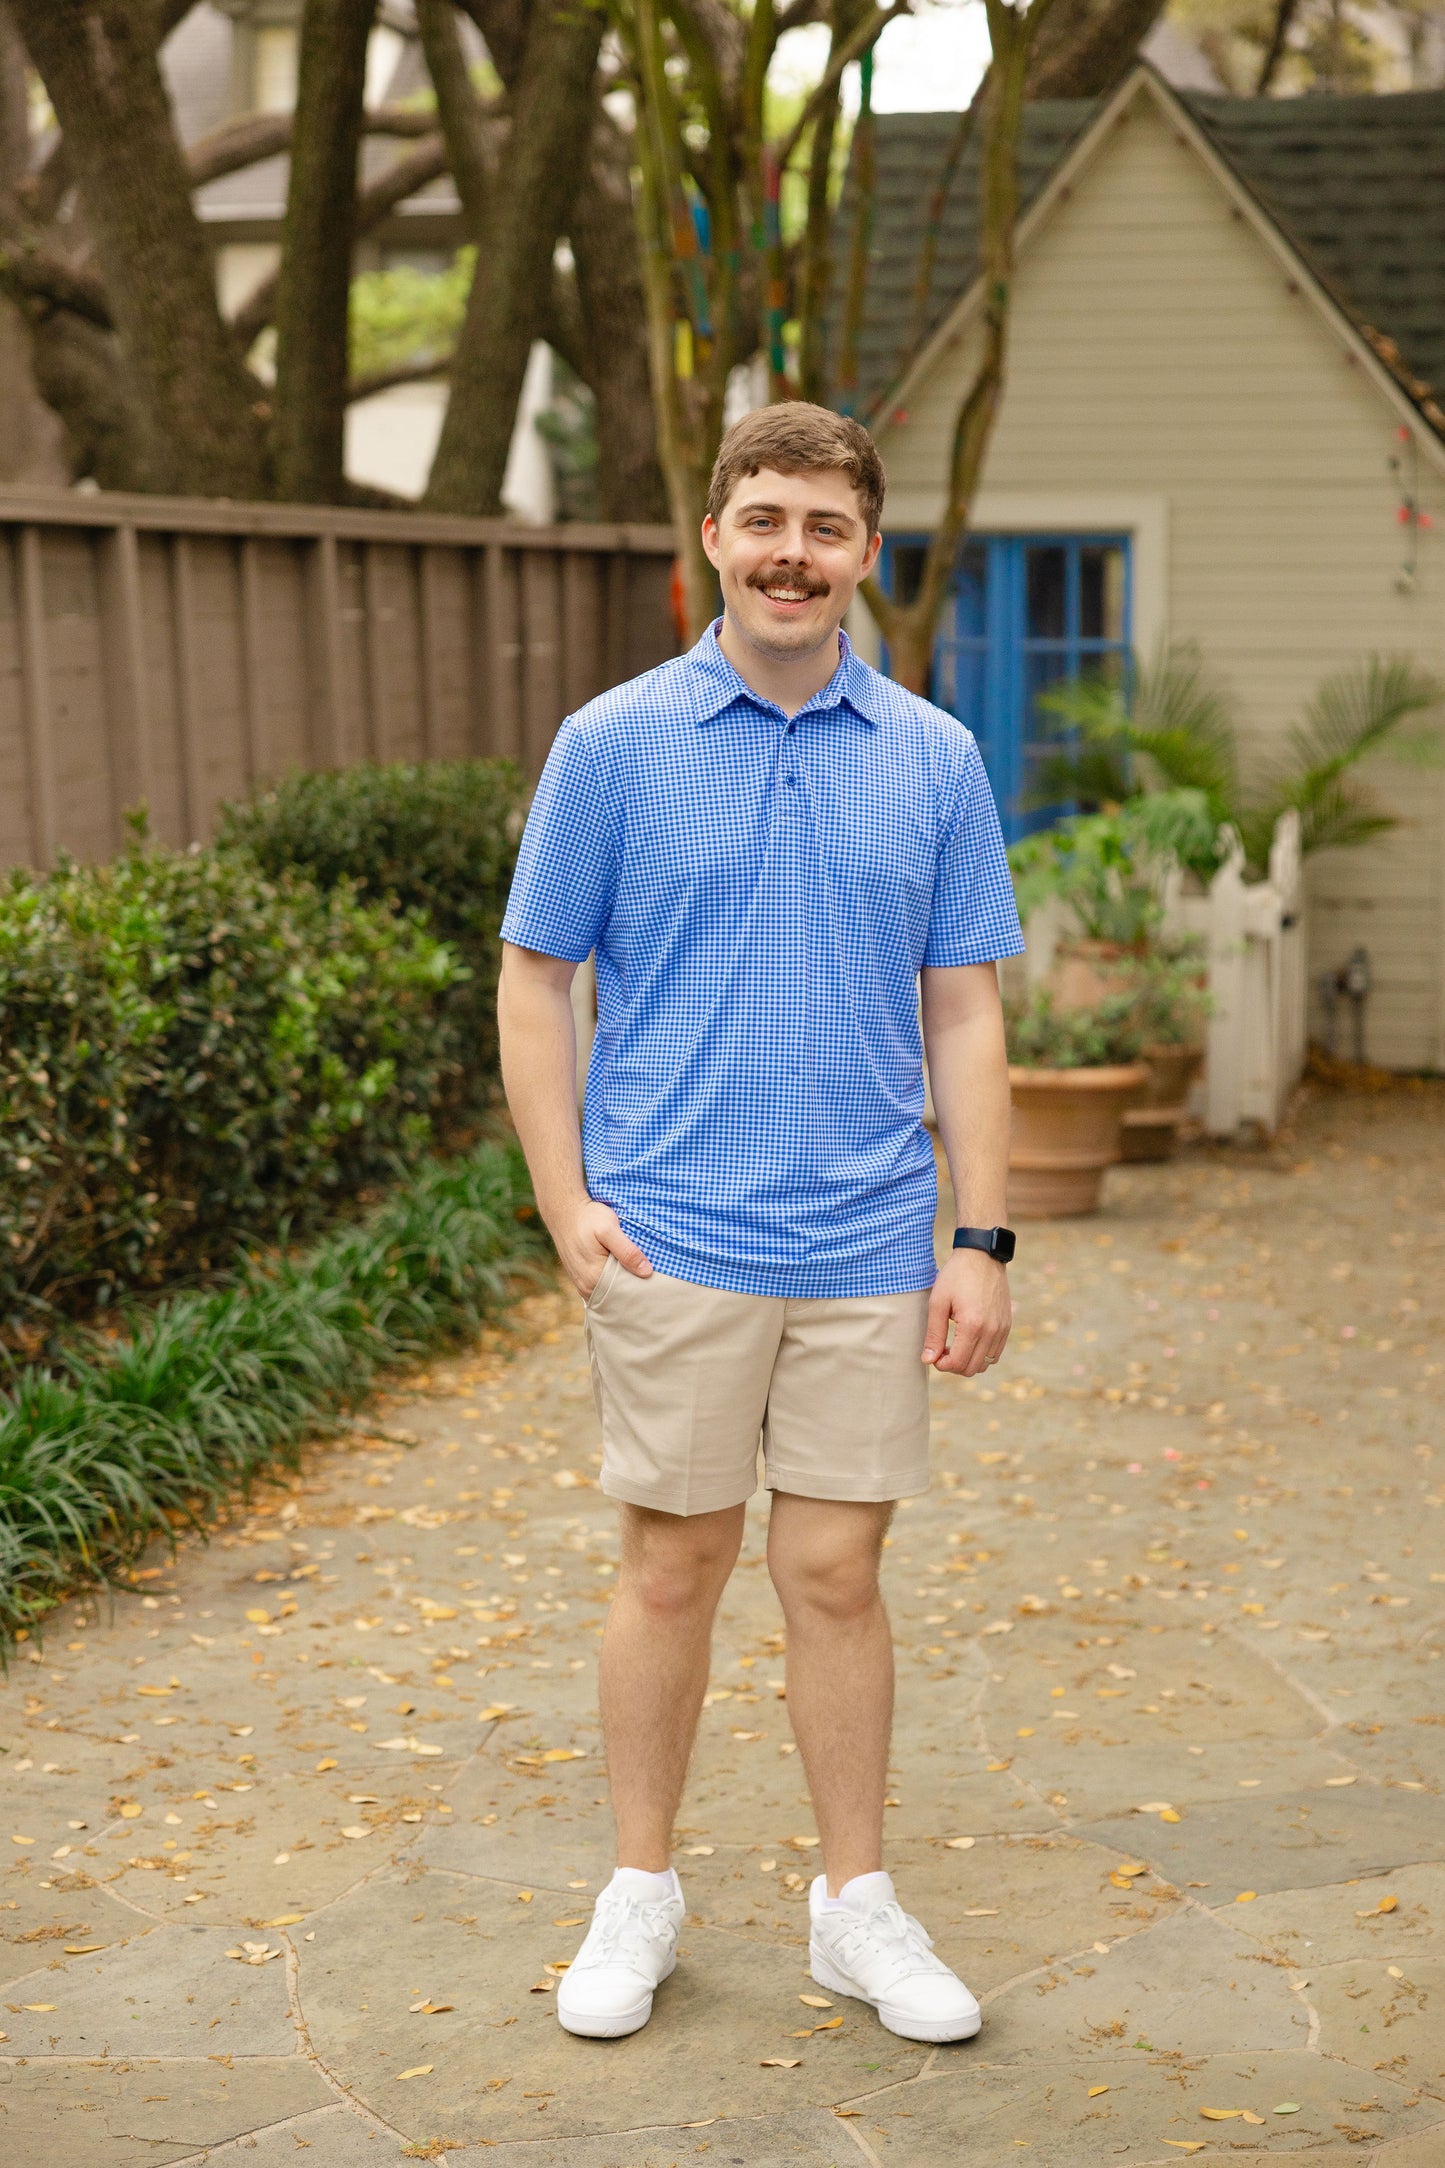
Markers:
<point>1085,973</point>
<point>1066,1131</point>
<point>1151,1128</point>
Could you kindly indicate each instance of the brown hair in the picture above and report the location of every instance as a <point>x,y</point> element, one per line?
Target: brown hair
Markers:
<point>796,438</point>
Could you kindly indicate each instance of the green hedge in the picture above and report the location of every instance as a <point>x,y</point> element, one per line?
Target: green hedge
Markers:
<point>141,1438</point>
<point>440,838</point>
<point>193,1054</point>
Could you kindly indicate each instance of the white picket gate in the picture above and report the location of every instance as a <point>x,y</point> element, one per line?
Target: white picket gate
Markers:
<point>1254,945</point>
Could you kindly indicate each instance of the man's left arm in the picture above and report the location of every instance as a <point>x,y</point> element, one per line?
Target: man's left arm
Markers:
<point>963,1037</point>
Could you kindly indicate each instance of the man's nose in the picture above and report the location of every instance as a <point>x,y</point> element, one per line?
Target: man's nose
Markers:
<point>791,547</point>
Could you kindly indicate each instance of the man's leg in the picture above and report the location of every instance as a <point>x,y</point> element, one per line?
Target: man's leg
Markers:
<point>823,1556</point>
<point>654,1666</point>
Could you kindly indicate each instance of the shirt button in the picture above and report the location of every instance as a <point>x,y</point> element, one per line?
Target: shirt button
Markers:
<point>792,779</point>
<point>792,730</point>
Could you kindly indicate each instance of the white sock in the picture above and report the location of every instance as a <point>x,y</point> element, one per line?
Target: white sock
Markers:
<point>639,1882</point>
<point>860,1895</point>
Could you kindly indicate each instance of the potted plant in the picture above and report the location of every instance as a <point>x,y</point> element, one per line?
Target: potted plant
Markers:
<point>1106,870</point>
<point>1171,1005</point>
<point>1073,1072</point>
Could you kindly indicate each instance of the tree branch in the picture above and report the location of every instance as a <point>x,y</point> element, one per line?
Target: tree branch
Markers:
<point>245,142</point>
<point>405,372</point>
<point>1284,16</point>
<point>31,273</point>
<point>460,110</point>
<point>859,39</point>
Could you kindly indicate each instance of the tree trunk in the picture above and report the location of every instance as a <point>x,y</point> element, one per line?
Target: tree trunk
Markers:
<point>551,117</point>
<point>31,444</point>
<point>314,289</point>
<point>98,59</point>
<point>613,308</point>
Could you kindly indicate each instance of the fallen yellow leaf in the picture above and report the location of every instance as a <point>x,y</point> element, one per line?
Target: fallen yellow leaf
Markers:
<point>38,2006</point>
<point>1221,2115</point>
<point>84,1949</point>
<point>417,2070</point>
<point>1095,2090</point>
<point>563,1753</point>
<point>960,1844</point>
<point>497,1708</point>
<point>981,1912</point>
<point>31,1840</point>
<point>282,1919</point>
<point>1339,1780</point>
<point>699,1851</point>
<point>258,1617</point>
<point>1130,1867</point>
<point>1250,2117</point>
<point>430,2009</point>
<point>329,1763</point>
<point>1387,1904</point>
<point>524,1896</point>
<point>1246,1896</point>
<point>780,2062</point>
<point>829,2024</point>
<point>130,1810</point>
<point>155,1689</point>
<point>1170,1814</point>
<point>816,2002</point>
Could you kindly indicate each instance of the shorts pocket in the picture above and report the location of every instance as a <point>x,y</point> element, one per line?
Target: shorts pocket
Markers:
<point>603,1280</point>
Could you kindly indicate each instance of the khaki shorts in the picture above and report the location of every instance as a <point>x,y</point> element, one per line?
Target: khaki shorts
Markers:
<point>690,1380</point>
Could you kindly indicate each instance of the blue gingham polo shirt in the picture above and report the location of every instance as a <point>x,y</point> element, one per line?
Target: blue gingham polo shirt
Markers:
<point>761,892</point>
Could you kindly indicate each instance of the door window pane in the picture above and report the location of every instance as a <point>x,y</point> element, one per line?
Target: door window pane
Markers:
<point>1101,591</point>
<point>1047,602</point>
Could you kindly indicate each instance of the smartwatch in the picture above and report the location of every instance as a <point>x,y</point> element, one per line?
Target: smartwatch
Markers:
<point>998,1242</point>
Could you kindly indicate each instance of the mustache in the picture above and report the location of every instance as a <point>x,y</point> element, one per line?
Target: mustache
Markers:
<point>805,583</point>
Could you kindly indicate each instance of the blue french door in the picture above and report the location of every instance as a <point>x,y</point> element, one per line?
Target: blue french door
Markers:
<point>1025,612</point>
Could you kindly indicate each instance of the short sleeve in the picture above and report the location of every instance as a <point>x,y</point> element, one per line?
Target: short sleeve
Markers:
<point>974,919</point>
<point>566,878</point>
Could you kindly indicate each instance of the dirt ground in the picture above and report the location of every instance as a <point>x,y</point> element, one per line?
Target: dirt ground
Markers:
<point>302,1827</point>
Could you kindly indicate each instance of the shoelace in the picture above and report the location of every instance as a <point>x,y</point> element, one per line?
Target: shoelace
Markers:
<point>619,1928</point>
<point>905,1939</point>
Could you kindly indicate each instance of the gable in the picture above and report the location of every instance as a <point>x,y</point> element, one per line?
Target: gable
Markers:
<point>1354,186</point>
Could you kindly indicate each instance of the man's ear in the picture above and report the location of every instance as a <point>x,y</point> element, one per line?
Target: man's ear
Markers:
<point>711,541</point>
<point>870,556</point>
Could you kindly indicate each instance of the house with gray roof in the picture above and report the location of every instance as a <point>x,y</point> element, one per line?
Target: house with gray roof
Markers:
<point>1224,424</point>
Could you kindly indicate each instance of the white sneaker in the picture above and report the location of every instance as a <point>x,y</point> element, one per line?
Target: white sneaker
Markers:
<point>631,1947</point>
<point>870,1947</point>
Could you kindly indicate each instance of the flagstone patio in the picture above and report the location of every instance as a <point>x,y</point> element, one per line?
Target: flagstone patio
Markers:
<point>300,1829</point>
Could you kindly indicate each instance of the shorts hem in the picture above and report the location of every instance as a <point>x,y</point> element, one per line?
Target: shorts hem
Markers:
<point>881,1490</point>
<point>638,1494</point>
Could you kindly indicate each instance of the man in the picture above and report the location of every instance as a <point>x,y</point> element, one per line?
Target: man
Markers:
<point>766,843</point>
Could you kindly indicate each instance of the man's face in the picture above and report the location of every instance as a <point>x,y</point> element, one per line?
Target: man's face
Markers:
<point>790,550</point>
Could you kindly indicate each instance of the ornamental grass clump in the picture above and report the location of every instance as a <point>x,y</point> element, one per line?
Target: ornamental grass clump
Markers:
<point>439,837</point>
<point>119,1442</point>
<point>193,1055</point>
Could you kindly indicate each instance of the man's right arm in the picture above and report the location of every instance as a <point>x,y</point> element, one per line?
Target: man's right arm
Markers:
<point>539,1073</point>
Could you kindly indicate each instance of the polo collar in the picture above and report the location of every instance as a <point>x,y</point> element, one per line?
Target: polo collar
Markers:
<point>716,684</point>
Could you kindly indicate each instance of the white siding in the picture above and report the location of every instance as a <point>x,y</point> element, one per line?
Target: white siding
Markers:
<point>1157,350</point>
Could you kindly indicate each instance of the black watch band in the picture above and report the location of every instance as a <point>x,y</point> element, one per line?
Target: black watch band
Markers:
<point>999,1242</point>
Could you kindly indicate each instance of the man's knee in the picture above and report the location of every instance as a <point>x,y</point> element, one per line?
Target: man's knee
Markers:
<point>675,1566</point>
<point>837,1581</point>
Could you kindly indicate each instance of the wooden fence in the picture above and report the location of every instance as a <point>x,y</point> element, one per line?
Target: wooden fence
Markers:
<point>176,653</point>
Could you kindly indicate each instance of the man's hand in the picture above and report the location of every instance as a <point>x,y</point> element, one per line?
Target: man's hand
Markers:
<point>972,1291</point>
<point>588,1239</point>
